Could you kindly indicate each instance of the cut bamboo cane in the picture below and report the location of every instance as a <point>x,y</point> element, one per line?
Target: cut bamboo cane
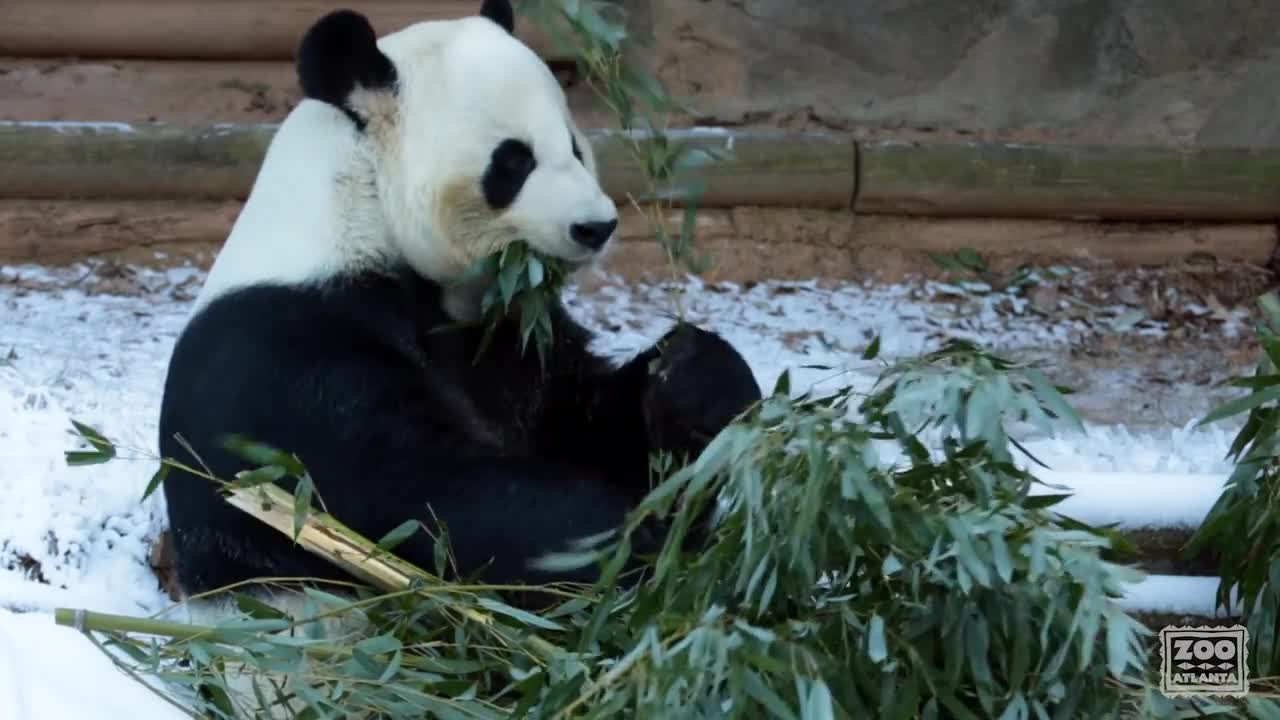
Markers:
<point>323,535</point>
<point>1053,181</point>
<point>227,30</point>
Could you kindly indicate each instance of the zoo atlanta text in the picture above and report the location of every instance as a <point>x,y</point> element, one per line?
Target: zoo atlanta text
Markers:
<point>1204,661</point>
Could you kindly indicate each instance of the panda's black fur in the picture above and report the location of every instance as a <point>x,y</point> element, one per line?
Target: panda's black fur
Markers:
<point>344,35</point>
<point>392,414</point>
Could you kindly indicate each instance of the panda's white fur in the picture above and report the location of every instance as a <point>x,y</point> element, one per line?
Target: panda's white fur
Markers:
<point>316,329</point>
<point>332,197</point>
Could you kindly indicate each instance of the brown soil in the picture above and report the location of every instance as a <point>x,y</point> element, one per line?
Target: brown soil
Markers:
<point>744,244</point>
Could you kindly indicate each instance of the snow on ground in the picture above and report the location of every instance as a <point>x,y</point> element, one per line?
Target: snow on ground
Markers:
<point>79,536</point>
<point>49,672</point>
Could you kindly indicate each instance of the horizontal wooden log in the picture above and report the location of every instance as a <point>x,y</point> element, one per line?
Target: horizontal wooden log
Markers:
<point>747,168</point>
<point>766,168</point>
<point>228,30</point>
<point>1022,180</point>
<point>126,161</point>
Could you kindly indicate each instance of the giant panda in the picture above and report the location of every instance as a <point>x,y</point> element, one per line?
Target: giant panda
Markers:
<point>318,328</point>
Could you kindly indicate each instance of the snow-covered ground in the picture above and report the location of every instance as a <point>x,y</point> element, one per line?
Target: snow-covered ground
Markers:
<point>79,537</point>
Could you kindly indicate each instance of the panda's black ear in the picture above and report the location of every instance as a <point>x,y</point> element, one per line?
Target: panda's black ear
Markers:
<point>500,12</point>
<point>340,53</point>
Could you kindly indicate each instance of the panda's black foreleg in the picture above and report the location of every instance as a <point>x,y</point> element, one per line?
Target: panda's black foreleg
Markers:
<point>502,513</point>
<point>672,398</point>
<point>697,385</point>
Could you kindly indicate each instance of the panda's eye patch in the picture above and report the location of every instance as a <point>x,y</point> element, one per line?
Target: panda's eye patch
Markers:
<point>510,165</point>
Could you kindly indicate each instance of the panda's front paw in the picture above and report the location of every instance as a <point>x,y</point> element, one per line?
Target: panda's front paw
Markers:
<point>698,384</point>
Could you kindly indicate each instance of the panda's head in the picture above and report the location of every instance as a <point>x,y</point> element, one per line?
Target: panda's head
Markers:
<point>466,136</point>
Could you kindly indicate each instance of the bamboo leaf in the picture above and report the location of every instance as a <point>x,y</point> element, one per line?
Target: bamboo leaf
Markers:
<point>783,385</point>
<point>522,616</point>
<point>397,535</point>
<point>872,350</point>
<point>301,504</point>
<point>157,479</point>
<point>1243,404</point>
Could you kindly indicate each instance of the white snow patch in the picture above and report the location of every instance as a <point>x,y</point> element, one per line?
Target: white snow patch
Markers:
<point>120,127</point>
<point>1134,500</point>
<point>78,536</point>
<point>1177,595</point>
<point>54,672</point>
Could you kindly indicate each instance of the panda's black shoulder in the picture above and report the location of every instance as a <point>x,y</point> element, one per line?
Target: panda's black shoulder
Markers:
<point>384,328</point>
<point>348,310</point>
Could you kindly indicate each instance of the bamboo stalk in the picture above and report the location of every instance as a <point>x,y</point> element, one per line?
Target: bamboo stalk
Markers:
<point>323,535</point>
<point>86,620</point>
<point>320,534</point>
<point>228,30</point>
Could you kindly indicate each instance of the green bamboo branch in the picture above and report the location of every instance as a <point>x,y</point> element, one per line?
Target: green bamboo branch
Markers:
<point>325,536</point>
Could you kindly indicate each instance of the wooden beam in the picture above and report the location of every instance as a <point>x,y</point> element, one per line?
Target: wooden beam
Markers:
<point>766,168</point>
<point>145,161</point>
<point>744,167</point>
<point>203,30</point>
<point>126,161</point>
<point>1060,181</point>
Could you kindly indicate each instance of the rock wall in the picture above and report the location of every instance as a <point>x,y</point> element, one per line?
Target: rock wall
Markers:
<point>1135,71</point>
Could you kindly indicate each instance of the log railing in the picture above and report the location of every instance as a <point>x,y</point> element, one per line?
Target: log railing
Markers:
<point>769,168</point>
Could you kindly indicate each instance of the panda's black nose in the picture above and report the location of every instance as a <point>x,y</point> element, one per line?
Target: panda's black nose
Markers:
<point>593,234</point>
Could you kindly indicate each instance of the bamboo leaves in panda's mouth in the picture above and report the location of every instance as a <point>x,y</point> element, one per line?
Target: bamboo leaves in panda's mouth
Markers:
<point>520,283</point>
